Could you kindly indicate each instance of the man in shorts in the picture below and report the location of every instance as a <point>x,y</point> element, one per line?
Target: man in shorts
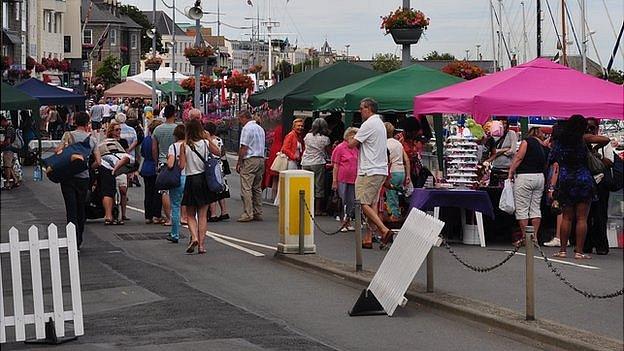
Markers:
<point>373,164</point>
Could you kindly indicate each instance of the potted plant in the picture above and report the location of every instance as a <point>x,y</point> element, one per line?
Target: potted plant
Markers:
<point>153,62</point>
<point>463,69</point>
<point>218,70</point>
<point>200,55</point>
<point>239,83</point>
<point>405,25</point>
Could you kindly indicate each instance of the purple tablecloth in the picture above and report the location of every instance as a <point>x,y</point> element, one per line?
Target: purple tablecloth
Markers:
<point>476,200</point>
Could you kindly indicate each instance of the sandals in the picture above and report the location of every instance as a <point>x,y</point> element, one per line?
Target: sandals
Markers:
<point>560,254</point>
<point>581,256</point>
<point>149,221</point>
<point>192,246</point>
<point>201,251</point>
<point>108,222</point>
<point>386,239</point>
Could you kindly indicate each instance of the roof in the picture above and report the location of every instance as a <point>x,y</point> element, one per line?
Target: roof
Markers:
<point>164,25</point>
<point>15,99</point>
<point>48,94</point>
<point>485,65</point>
<point>100,14</point>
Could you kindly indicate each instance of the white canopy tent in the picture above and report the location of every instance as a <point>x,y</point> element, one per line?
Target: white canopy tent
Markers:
<point>163,75</point>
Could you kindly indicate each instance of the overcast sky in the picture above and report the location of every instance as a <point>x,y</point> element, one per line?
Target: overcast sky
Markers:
<point>456,25</point>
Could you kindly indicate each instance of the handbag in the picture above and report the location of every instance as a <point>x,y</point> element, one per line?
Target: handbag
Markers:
<point>594,163</point>
<point>169,178</point>
<point>506,202</point>
<point>280,163</point>
<point>226,166</point>
<point>72,160</point>
<point>335,204</point>
<point>212,171</point>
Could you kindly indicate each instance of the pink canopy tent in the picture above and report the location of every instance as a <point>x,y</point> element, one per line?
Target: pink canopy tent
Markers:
<point>536,88</point>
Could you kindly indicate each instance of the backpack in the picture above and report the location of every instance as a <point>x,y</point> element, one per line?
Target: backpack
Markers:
<point>212,171</point>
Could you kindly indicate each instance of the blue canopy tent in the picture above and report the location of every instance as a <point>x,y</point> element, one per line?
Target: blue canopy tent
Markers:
<point>50,95</point>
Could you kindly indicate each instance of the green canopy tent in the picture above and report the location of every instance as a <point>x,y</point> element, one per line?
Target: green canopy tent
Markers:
<point>394,91</point>
<point>15,99</point>
<point>177,89</point>
<point>297,92</point>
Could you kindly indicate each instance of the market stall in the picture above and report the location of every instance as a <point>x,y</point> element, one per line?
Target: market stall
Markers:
<point>537,88</point>
<point>163,74</point>
<point>297,92</point>
<point>15,99</point>
<point>129,88</point>
<point>50,95</point>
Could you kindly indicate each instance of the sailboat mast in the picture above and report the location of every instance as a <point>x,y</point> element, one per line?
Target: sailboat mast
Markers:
<point>583,36</point>
<point>524,34</point>
<point>539,28</point>
<point>494,60</point>
<point>564,55</point>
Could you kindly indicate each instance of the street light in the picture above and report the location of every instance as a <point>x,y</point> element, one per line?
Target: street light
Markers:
<point>196,13</point>
<point>347,46</point>
<point>152,32</point>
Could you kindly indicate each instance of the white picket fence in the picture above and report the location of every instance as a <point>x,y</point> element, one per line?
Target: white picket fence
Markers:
<point>19,320</point>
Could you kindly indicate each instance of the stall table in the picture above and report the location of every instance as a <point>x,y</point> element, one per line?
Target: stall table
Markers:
<point>476,200</point>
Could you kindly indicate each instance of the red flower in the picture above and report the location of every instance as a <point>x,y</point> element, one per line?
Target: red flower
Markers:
<point>463,69</point>
<point>239,83</point>
<point>404,18</point>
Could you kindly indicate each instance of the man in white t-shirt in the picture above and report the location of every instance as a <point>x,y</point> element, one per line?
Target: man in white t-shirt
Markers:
<point>250,166</point>
<point>372,164</point>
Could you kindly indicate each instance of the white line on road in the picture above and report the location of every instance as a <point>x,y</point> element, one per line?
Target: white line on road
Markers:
<point>559,261</point>
<point>135,209</point>
<point>238,247</point>
<point>243,241</point>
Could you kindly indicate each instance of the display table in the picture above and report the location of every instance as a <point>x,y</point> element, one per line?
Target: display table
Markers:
<point>47,146</point>
<point>476,200</point>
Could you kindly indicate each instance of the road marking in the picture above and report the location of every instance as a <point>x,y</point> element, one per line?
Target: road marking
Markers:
<point>238,247</point>
<point>243,241</point>
<point>135,209</point>
<point>559,261</point>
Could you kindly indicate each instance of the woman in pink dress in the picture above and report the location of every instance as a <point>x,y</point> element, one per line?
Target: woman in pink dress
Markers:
<point>345,161</point>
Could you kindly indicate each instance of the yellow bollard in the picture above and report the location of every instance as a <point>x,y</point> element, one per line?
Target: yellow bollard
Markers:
<point>290,184</point>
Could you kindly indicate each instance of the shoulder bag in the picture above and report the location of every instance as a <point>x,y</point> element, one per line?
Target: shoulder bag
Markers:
<point>594,163</point>
<point>169,178</point>
<point>212,171</point>
<point>280,163</point>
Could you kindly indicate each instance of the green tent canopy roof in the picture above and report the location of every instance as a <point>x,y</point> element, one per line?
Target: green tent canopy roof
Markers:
<point>394,91</point>
<point>167,87</point>
<point>15,99</point>
<point>298,90</point>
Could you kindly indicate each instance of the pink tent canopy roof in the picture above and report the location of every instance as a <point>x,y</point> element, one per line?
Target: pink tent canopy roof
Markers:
<point>536,88</point>
<point>129,88</point>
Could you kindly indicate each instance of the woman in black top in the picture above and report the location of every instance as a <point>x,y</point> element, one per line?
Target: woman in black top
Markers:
<point>527,173</point>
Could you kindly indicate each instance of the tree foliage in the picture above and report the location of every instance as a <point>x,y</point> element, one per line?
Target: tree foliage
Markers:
<point>136,15</point>
<point>306,65</point>
<point>109,71</point>
<point>434,55</point>
<point>386,62</point>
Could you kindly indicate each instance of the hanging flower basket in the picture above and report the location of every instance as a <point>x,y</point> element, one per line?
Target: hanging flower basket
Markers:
<point>198,61</point>
<point>405,25</point>
<point>406,36</point>
<point>153,62</point>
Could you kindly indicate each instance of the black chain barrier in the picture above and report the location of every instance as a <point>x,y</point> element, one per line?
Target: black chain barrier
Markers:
<point>478,269</point>
<point>565,281</point>
<point>316,224</point>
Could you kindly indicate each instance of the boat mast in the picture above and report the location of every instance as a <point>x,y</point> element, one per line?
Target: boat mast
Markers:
<point>564,55</point>
<point>539,28</point>
<point>494,60</point>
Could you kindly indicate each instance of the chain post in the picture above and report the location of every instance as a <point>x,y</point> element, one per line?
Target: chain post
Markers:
<point>302,209</point>
<point>430,271</point>
<point>358,236</point>
<point>530,277</point>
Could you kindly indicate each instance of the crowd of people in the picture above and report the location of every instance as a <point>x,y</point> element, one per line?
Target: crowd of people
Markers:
<point>373,163</point>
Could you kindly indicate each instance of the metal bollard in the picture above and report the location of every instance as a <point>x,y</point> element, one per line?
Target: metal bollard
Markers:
<point>358,236</point>
<point>430,271</point>
<point>301,221</point>
<point>530,278</point>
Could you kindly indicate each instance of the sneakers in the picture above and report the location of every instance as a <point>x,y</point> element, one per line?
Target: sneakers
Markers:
<point>554,242</point>
<point>172,239</point>
<point>344,229</point>
<point>351,228</point>
<point>258,218</point>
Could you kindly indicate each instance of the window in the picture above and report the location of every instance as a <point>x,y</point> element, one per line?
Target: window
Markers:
<point>5,19</point>
<point>18,10</point>
<point>133,68</point>
<point>133,41</point>
<point>67,43</point>
<point>87,36</point>
<point>48,18</point>
<point>113,36</point>
<point>58,21</point>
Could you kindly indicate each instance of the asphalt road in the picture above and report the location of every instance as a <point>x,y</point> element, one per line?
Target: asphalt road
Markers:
<point>142,293</point>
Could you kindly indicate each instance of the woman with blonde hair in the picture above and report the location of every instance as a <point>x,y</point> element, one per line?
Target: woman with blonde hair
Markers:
<point>293,146</point>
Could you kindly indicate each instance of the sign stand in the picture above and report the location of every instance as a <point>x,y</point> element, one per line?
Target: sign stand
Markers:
<point>366,305</point>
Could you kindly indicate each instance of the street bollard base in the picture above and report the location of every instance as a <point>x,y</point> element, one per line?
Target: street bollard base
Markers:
<point>294,249</point>
<point>366,305</point>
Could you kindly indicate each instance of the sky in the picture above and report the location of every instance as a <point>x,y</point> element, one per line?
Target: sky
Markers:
<point>456,25</point>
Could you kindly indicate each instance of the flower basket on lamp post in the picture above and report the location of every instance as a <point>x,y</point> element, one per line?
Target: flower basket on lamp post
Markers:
<point>405,25</point>
<point>153,62</point>
<point>199,56</point>
<point>406,35</point>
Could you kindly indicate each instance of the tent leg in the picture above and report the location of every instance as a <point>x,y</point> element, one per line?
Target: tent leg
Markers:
<point>438,128</point>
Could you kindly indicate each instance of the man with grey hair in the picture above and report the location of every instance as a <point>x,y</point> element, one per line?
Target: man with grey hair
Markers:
<point>372,165</point>
<point>250,166</point>
<point>195,114</point>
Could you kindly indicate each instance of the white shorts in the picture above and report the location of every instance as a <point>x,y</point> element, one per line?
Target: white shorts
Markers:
<point>528,191</point>
<point>122,180</point>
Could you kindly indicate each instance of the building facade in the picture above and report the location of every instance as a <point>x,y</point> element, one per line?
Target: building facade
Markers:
<point>121,36</point>
<point>165,26</point>
<point>14,32</point>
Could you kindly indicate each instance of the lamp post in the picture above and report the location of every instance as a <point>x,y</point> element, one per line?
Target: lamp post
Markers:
<point>196,14</point>
<point>347,46</point>
<point>154,53</point>
<point>173,52</point>
<point>406,54</point>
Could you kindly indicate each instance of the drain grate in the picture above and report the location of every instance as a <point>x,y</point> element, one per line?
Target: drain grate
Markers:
<point>141,236</point>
